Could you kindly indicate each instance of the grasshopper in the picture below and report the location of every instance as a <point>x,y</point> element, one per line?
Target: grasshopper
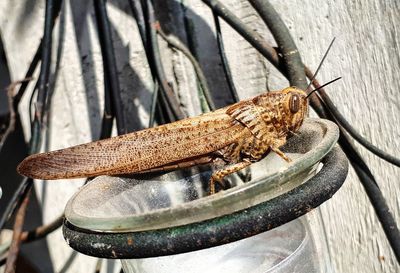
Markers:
<point>237,135</point>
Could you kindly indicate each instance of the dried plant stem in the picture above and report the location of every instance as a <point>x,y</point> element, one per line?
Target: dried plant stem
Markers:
<point>16,240</point>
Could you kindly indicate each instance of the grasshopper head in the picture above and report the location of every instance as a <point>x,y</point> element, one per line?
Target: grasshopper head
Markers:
<point>286,108</point>
<point>294,107</point>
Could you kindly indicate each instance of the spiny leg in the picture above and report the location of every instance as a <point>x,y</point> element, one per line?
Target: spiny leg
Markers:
<point>244,175</point>
<point>220,174</point>
<point>281,154</point>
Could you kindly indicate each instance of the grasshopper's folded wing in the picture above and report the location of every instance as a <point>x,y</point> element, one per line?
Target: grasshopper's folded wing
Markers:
<point>138,151</point>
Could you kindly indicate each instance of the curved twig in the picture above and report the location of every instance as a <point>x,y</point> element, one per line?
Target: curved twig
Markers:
<point>16,239</point>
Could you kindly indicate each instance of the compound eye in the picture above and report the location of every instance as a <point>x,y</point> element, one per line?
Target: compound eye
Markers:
<point>294,103</point>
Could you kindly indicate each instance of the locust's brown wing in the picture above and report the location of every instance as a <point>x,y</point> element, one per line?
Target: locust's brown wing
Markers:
<point>138,151</point>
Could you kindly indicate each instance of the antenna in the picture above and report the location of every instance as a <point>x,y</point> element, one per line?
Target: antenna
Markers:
<point>320,64</point>
<point>316,89</point>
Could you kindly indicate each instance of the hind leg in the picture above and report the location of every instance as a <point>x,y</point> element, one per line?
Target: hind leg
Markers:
<point>279,142</point>
<point>220,174</point>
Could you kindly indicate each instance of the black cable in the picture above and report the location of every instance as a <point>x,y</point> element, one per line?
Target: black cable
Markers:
<point>224,60</point>
<point>108,115</point>
<point>291,56</point>
<point>25,186</point>
<point>247,33</point>
<point>153,105</point>
<point>137,10</point>
<point>205,97</point>
<point>153,55</point>
<point>170,96</point>
<point>31,69</point>
<point>376,198</point>
<point>159,114</point>
<point>367,179</point>
<point>15,201</point>
<point>175,43</point>
<point>350,129</point>
<point>109,64</point>
<point>165,107</point>
<point>374,194</point>
<point>51,12</point>
<point>43,80</point>
<point>32,105</point>
<point>349,148</point>
<point>138,13</point>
